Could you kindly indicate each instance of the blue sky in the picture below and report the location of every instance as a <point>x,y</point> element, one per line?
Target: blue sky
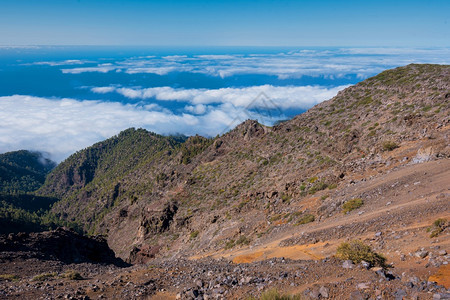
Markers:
<point>65,93</point>
<point>402,23</point>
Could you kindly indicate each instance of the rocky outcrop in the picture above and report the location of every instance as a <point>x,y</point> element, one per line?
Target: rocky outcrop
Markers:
<point>61,244</point>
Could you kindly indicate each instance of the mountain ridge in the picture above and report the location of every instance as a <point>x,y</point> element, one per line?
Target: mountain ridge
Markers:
<point>254,167</point>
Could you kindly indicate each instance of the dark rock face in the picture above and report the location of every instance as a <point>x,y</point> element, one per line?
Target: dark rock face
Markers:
<point>61,244</point>
<point>144,254</point>
<point>159,221</point>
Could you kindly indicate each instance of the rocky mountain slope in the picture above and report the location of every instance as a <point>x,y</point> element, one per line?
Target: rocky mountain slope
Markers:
<point>263,208</point>
<point>147,191</point>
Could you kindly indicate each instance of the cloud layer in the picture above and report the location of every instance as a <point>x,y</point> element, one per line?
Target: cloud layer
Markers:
<point>290,97</point>
<point>333,63</point>
<point>63,126</point>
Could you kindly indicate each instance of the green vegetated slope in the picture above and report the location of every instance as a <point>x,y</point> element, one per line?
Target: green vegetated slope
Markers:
<point>144,189</point>
<point>22,172</point>
<point>27,213</point>
<point>129,166</point>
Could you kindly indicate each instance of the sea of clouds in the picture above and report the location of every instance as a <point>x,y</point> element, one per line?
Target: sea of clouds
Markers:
<point>61,126</point>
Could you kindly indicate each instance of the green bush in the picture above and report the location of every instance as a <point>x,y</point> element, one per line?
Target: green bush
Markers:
<point>313,179</point>
<point>332,186</point>
<point>352,205</point>
<point>72,275</point>
<point>44,276</point>
<point>438,226</point>
<point>318,186</point>
<point>308,218</point>
<point>389,146</point>
<point>230,244</point>
<point>9,277</point>
<point>357,251</point>
<point>242,240</point>
<point>276,217</point>
<point>194,234</point>
<point>285,197</point>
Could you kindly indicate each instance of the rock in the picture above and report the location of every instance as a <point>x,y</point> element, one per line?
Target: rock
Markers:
<point>362,286</point>
<point>192,293</point>
<point>399,294</point>
<point>347,264</point>
<point>365,264</point>
<point>385,275</point>
<point>199,283</point>
<point>323,291</point>
<point>378,234</point>
<point>314,294</point>
<point>437,296</point>
<point>61,244</point>
<point>421,254</point>
<point>442,252</point>
<point>356,295</point>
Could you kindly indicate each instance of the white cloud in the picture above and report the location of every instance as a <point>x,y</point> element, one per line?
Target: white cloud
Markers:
<point>63,126</point>
<point>102,68</point>
<point>335,63</point>
<point>103,90</point>
<point>67,62</point>
<point>198,109</point>
<point>283,97</point>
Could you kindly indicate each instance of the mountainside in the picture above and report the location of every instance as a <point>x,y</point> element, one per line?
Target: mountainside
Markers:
<point>23,171</point>
<point>147,191</point>
<point>349,200</point>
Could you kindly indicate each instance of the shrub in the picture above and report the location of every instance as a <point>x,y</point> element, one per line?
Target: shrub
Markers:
<point>352,205</point>
<point>308,218</point>
<point>242,204</point>
<point>194,234</point>
<point>332,186</point>
<point>285,197</point>
<point>389,146</point>
<point>242,240</point>
<point>230,244</point>
<point>44,276</point>
<point>438,226</point>
<point>9,277</point>
<point>276,217</point>
<point>319,186</point>
<point>313,179</point>
<point>357,251</point>
<point>72,275</point>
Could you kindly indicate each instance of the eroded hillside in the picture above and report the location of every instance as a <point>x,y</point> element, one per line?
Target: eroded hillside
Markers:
<point>262,207</point>
<point>150,193</point>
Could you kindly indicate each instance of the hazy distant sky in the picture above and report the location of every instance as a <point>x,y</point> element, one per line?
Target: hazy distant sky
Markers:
<point>413,23</point>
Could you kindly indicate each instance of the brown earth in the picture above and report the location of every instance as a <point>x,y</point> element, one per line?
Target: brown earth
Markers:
<point>287,259</point>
